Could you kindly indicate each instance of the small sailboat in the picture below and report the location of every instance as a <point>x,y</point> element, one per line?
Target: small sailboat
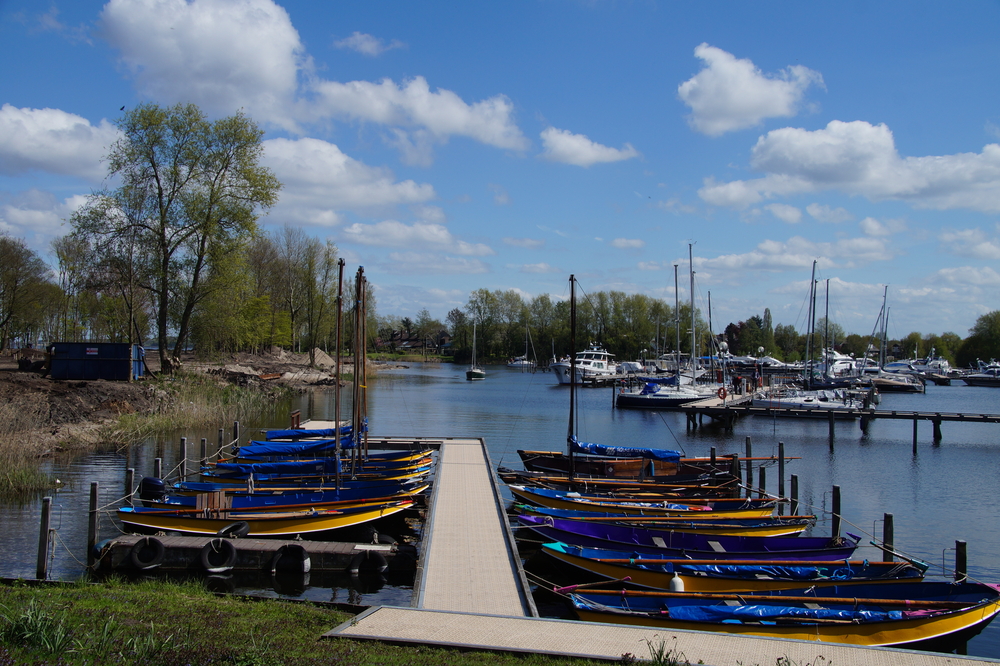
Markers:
<point>474,371</point>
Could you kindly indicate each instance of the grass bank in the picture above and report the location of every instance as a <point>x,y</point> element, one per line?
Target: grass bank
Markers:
<point>19,473</point>
<point>182,623</point>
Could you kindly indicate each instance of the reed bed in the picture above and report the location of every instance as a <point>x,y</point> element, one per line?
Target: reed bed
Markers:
<point>19,451</point>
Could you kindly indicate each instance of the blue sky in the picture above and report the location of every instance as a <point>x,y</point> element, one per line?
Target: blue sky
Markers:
<point>452,146</point>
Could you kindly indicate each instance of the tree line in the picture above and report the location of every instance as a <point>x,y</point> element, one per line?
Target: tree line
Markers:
<point>172,256</point>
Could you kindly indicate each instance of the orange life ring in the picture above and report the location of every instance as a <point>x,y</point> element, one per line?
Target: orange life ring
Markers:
<point>721,393</point>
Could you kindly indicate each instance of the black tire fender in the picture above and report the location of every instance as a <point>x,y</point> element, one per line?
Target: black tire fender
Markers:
<point>147,553</point>
<point>372,558</point>
<point>218,555</point>
<point>236,530</point>
<point>296,559</point>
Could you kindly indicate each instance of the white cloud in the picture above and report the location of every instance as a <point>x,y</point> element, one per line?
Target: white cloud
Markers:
<point>500,196</point>
<point>785,213</point>
<point>968,276</point>
<point>826,214</point>
<point>319,180</point>
<point>53,141</point>
<point>650,266</point>
<point>628,243</point>
<point>416,263</point>
<point>220,54</point>
<point>857,158</point>
<point>367,45</point>
<point>539,268</point>
<point>798,253</point>
<point>442,113</point>
<point>971,243</point>
<point>529,243</point>
<point>37,217</point>
<point>873,227</point>
<point>730,94</point>
<point>577,149</point>
<point>391,233</point>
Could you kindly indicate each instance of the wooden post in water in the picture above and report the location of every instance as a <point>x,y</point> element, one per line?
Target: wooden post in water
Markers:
<point>42,570</point>
<point>711,456</point>
<point>222,435</point>
<point>915,422</point>
<point>835,530</point>
<point>184,459</point>
<point>236,436</point>
<point>734,469</point>
<point>158,468</point>
<point>129,484</point>
<point>793,508</point>
<point>763,482</point>
<point>937,429</point>
<point>93,518</point>
<point>961,562</point>
<point>888,539</point>
<point>203,460</point>
<point>829,417</point>
<point>749,454</point>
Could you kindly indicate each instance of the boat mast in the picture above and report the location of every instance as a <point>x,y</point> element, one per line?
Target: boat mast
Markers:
<point>572,377</point>
<point>677,330</point>
<point>827,347</point>
<point>693,351</point>
<point>336,374</point>
<point>811,326</point>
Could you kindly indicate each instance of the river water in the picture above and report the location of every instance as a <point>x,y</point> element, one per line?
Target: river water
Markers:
<point>941,492</point>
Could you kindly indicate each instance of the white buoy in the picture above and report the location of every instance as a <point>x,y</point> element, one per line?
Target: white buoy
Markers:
<point>676,583</point>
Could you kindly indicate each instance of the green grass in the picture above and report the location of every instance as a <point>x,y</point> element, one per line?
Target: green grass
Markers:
<point>182,623</point>
<point>19,474</point>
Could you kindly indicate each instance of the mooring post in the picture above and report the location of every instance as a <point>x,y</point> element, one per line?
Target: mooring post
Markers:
<point>222,435</point>
<point>915,422</point>
<point>93,518</point>
<point>781,476</point>
<point>749,455</point>
<point>129,484</point>
<point>158,468</point>
<point>794,506</point>
<point>203,460</point>
<point>961,562</point>
<point>42,570</point>
<point>829,418</point>
<point>184,458</point>
<point>763,482</point>
<point>835,530</point>
<point>711,455</point>
<point>735,470</point>
<point>887,537</point>
<point>236,436</point>
<point>937,428</point>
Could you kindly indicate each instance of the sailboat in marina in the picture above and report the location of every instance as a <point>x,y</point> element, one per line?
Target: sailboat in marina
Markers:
<point>475,371</point>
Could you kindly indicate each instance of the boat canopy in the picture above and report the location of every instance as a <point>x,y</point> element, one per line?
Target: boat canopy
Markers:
<point>664,455</point>
<point>287,467</point>
<point>258,448</point>
<point>761,612</point>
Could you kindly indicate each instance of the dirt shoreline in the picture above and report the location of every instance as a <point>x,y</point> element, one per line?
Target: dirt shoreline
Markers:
<point>73,411</point>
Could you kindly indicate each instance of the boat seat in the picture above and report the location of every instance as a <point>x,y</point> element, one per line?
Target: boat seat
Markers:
<point>717,547</point>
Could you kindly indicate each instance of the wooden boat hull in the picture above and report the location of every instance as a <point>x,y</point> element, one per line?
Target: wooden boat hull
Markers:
<point>262,523</point>
<point>660,573</point>
<point>723,527</point>
<point>634,508</point>
<point>915,629</point>
<point>558,463</point>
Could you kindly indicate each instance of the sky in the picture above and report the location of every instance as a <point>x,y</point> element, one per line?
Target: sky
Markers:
<point>453,146</point>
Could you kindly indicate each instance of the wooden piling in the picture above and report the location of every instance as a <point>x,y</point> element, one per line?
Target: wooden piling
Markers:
<point>184,459</point>
<point>781,476</point>
<point>42,570</point>
<point>236,436</point>
<point>793,508</point>
<point>129,485</point>
<point>203,458</point>
<point>158,468</point>
<point>961,562</point>
<point>711,455</point>
<point>835,529</point>
<point>222,443</point>
<point>763,482</point>
<point>888,538</point>
<point>93,518</point>
<point>937,429</point>
<point>915,422</point>
<point>749,455</point>
<point>829,418</point>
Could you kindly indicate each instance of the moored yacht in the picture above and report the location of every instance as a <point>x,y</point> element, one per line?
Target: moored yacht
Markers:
<point>592,362</point>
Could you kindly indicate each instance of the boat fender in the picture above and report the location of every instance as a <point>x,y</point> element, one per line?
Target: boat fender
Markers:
<point>100,547</point>
<point>218,555</point>
<point>236,530</point>
<point>296,559</point>
<point>378,537</point>
<point>676,583</point>
<point>147,553</point>
<point>721,393</point>
<point>373,558</point>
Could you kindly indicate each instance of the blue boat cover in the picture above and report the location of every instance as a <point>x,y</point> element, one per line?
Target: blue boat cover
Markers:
<point>302,434</point>
<point>285,467</point>
<point>259,448</point>
<point>664,455</point>
<point>756,612</point>
<point>774,571</point>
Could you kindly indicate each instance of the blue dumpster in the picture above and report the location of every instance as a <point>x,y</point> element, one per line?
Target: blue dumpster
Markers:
<point>116,361</point>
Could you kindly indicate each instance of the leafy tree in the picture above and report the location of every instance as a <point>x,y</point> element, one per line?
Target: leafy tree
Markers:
<point>188,188</point>
<point>23,277</point>
<point>983,341</point>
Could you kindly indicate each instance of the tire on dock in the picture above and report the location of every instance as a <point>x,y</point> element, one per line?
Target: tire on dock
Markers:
<point>236,530</point>
<point>291,557</point>
<point>218,555</point>
<point>368,559</point>
<point>147,553</point>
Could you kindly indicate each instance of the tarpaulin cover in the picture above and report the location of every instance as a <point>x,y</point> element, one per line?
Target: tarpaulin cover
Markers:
<point>752,571</point>
<point>755,612</point>
<point>287,467</point>
<point>664,455</point>
<point>258,448</point>
<point>302,434</point>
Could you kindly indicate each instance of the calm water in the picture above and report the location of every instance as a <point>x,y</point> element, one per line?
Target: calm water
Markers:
<point>944,492</point>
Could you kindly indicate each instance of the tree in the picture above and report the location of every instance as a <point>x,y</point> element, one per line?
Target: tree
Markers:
<point>23,276</point>
<point>189,188</point>
<point>983,341</point>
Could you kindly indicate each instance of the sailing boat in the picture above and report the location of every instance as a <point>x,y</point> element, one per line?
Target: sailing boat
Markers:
<point>474,371</point>
<point>523,363</point>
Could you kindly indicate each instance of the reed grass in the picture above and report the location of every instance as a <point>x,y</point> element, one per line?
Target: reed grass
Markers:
<point>182,623</point>
<point>19,452</point>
